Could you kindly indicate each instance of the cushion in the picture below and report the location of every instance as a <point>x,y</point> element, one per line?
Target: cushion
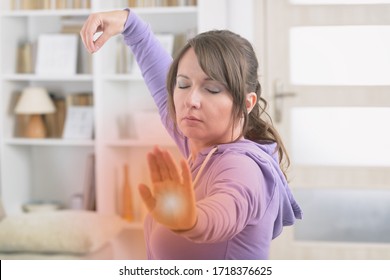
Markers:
<point>67,231</point>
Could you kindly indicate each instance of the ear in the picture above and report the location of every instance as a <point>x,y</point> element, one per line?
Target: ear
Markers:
<point>251,99</point>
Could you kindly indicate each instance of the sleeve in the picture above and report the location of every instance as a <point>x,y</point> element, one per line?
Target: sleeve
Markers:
<point>154,63</point>
<point>233,200</point>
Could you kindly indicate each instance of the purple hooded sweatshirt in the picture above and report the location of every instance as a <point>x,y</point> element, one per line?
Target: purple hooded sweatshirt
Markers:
<point>243,199</point>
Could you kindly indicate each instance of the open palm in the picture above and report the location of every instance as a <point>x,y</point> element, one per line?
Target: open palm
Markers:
<point>171,199</point>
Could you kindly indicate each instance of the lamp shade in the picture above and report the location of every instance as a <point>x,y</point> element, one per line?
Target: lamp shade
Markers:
<point>35,100</point>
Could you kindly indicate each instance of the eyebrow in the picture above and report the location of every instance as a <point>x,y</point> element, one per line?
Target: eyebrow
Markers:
<point>186,77</point>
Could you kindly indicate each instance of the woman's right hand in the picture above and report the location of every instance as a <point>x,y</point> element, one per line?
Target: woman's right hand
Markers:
<point>109,23</point>
<point>171,198</point>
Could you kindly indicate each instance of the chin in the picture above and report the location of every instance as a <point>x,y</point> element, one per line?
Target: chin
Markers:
<point>192,133</point>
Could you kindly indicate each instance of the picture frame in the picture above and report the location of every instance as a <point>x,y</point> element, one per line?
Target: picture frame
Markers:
<point>56,54</point>
<point>79,123</point>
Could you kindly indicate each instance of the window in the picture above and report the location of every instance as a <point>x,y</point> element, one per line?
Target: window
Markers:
<point>341,136</point>
<point>340,55</point>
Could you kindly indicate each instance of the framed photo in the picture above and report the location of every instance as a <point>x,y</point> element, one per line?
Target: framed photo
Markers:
<point>78,123</point>
<point>57,54</point>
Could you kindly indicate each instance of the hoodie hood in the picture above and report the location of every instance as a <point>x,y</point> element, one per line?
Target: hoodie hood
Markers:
<point>267,159</point>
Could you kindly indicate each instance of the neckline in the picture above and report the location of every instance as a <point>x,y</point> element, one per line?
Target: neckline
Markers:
<point>210,153</point>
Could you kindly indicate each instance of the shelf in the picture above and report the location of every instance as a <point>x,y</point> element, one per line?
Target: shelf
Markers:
<point>123,77</point>
<point>49,142</point>
<point>33,77</point>
<point>47,12</point>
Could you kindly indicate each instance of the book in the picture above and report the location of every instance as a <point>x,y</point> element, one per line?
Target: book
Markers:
<point>55,121</point>
<point>61,4</point>
<point>161,3</point>
<point>25,58</point>
<point>31,4</point>
<point>80,99</point>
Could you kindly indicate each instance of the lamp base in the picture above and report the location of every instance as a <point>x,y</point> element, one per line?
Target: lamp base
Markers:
<point>36,127</point>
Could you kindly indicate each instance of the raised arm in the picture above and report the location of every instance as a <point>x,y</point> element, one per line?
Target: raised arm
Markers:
<point>151,57</point>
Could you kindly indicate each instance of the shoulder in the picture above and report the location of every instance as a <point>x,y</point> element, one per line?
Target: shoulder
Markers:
<point>235,167</point>
<point>243,154</point>
<point>231,158</point>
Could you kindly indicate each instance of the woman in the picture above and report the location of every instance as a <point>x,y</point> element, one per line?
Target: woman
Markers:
<point>230,198</point>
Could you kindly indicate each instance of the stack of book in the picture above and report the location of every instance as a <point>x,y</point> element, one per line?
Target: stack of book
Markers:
<point>160,3</point>
<point>49,4</point>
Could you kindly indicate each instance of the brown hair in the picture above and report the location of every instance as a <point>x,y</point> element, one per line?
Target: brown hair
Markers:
<point>231,60</point>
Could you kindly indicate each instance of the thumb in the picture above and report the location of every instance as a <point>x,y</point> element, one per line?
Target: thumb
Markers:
<point>147,197</point>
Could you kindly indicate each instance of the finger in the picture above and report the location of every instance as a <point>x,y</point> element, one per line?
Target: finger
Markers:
<point>147,197</point>
<point>172,167</point>
<point>153,168</point>
<point>186,174</point>
<point>100,41</point>
<point>162,165</point>
<point>84,38</point>
<point>88,30</point>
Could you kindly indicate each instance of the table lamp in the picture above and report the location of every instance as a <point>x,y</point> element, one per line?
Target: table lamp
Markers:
<point>35,101</point>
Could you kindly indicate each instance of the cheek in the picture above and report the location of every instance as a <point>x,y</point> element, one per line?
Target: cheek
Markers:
<point>225,113</point>
<point>225,108</point>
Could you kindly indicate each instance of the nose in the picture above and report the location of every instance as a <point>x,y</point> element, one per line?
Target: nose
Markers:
<point>193,99</point>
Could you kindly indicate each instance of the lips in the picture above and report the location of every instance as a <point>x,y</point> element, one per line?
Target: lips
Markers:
<point>191,118</point>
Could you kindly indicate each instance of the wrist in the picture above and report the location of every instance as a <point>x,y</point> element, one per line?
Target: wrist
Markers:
<point>125,13</point>
<point>187,228</point>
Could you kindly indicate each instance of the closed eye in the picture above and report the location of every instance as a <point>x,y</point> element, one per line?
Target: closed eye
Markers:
<point>182,84</point>
<point>213,91</point>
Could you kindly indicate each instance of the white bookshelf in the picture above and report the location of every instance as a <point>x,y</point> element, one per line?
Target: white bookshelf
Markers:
<point>55,169</point>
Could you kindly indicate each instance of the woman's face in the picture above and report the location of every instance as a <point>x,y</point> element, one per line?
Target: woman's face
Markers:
<point>203,106</point>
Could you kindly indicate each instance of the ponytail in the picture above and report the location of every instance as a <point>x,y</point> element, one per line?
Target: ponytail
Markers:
<point>261,130</point>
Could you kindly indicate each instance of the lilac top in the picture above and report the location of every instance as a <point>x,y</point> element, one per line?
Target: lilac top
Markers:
<point>243,199</point>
